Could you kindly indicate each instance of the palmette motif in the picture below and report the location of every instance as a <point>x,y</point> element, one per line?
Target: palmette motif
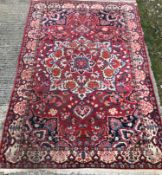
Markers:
<point>83,96</point>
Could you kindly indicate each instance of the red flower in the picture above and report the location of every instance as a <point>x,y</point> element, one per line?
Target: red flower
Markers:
<point>49,62</point>
<point>58,53</point>
<point>115,64</point>
<point>56,72</point>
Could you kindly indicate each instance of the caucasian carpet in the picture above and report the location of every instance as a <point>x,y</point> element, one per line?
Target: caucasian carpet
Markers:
<point>83,96</point>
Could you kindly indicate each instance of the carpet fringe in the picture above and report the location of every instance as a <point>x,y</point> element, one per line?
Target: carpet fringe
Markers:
<point>80,172</point>
<point>128,1</point>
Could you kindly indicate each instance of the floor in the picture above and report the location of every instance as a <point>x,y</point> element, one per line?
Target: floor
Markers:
<point>12,20</point>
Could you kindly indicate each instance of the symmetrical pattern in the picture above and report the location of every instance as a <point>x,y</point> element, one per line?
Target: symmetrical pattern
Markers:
<point>80,66</point>
<point>83,95</point>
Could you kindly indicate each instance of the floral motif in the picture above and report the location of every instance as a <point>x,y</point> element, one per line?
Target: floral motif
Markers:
<point>153,153</point>
<point>107,156</point>
<point>113,111</point>
<point>52,112</point>
<point>59,156</point>
<point>87,62</point>
<point>146,107</point>
<point>20,107</point>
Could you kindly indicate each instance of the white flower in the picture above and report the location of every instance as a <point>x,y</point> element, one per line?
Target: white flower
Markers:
<point>113,111</point>
<point>52,112</point>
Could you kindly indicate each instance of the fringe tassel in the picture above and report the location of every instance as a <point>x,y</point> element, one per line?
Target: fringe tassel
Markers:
<point>80,172</point>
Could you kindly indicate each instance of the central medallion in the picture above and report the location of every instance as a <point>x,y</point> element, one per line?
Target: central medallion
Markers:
<point>81,63</point>
<point>81,66</point>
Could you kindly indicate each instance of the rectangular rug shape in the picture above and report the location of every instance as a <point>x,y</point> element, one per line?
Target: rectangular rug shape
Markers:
<point>83,96</point>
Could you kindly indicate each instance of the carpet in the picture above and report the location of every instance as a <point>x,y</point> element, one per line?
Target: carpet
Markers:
<point>83,96</point>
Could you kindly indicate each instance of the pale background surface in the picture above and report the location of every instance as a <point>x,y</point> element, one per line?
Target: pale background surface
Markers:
<point>12,19</point>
